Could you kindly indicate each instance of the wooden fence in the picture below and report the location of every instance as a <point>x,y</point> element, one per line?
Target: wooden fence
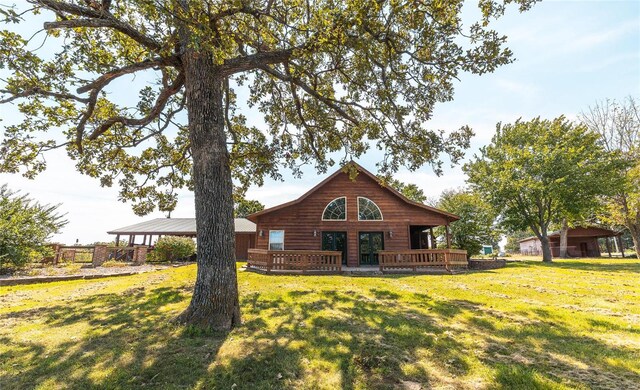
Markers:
<point>97,254</point>
<point>303,261</point>
<point>415,259</point>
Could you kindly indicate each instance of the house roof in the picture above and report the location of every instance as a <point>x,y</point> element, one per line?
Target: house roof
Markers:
<point>451,217</point>
<point>177,226</point>
<point>582,231</point>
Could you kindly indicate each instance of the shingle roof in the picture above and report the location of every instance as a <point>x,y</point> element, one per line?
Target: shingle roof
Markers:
<point>451,217</point>
<point>177,226</point>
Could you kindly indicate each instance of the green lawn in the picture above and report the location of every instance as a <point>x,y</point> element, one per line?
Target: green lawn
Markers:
<point>571,324</point>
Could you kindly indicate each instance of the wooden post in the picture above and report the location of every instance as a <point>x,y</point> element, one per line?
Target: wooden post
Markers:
<point>448,236</point>
<point>150,239</point>
<point>607,242</point>
<point>432,238</point>
<point>117,239</point>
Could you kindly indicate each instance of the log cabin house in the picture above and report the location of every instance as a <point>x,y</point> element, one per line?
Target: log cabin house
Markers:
<point>345,222</point>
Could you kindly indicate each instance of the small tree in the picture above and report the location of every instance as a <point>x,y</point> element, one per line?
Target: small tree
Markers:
<point>618,124</point>
<point>170,248</point>
<point>513,238</point>
<point>244,207</point>
<point>476,226</point>
<point>25,226</point>
<point>537,172</point>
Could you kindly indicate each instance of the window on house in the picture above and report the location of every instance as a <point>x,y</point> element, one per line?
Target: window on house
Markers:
<point>368,210</point>
<point>276,240</point>
<point>336,210</point>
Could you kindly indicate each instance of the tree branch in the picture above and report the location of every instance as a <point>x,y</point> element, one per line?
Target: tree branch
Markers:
<point>328,102</point>
<point>41,92</point>
<point>254,61</point>
<point>153,114</point>
<point>95,18</point>
<point>106,78</point>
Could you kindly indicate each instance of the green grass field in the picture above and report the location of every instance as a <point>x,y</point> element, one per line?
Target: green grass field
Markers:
<point>571,324</point>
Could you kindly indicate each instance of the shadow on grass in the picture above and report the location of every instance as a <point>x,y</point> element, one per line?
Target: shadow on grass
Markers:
<point>323,338</point>
<point>613,265</point>
<point>129,343</point>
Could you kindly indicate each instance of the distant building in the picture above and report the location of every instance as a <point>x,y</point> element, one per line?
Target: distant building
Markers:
<point>185,227</point>
<point>581,242</point>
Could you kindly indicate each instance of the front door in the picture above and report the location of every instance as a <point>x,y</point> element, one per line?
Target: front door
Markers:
<point>369,244</point>
<point>335,241</point>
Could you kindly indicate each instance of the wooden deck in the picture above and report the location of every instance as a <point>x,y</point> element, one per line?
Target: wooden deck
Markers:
<point>303,261</point>
<point>420,259</point>
<point>319,262</point>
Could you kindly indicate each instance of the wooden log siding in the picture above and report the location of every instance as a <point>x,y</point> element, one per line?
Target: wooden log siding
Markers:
<point>303,225</point>
<point>304,261</point>
<point>448,259</point>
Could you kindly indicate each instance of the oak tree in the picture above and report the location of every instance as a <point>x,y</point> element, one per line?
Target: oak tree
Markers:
<point>331,79</point>
<point>538,172</point>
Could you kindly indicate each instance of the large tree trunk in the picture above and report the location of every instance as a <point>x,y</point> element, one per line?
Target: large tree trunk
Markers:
<point>564,238</point>
<point>546,248</point>
<point>215,297</point>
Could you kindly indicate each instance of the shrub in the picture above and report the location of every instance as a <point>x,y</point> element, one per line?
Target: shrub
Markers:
<point>173,248</point>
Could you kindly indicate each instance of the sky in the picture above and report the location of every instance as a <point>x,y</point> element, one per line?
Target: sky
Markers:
<point>568,55</point>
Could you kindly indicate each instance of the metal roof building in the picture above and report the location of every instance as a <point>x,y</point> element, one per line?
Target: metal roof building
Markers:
<point>176,227</point>
<point>185,227</point>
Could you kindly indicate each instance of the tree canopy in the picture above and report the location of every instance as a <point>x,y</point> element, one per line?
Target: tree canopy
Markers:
<point>331,79</point>
<point>538,172</point>
<point>327,77</point>
<point>245,207</point>
<point>411,191</point>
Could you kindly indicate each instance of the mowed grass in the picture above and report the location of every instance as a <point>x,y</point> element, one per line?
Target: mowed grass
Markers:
<point>571,324</point>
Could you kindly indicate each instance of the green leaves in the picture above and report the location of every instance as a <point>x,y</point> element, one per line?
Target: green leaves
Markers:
<point>477,224</point>
<point>541,171</point>
<point>25,226</point>
<point>331,80</point>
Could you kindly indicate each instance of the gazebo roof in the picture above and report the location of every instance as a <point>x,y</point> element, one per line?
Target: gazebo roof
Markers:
<point>177,227</point>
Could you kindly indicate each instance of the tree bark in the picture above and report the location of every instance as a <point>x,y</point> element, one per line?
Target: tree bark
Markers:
<point>635,236</point>
<point>214,303</point>
<point>546,249</point>
<point>564,238</point>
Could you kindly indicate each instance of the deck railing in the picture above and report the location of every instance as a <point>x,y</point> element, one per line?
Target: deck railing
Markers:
<point>296,260</point>
<point>414,259</point>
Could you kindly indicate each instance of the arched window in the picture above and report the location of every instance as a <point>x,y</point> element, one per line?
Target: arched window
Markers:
<point>368,210</point>
<point>336,210</point>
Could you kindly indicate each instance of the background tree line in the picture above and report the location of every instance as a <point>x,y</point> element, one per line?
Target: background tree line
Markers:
<point>540,176</point>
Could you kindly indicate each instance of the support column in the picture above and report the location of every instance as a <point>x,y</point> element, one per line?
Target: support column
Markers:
<point>448,236</point>
<point>99,255</point>
<point>432,238</point>
<point>140,255</point>
<point>607,242</point>
<point>117,239</point>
